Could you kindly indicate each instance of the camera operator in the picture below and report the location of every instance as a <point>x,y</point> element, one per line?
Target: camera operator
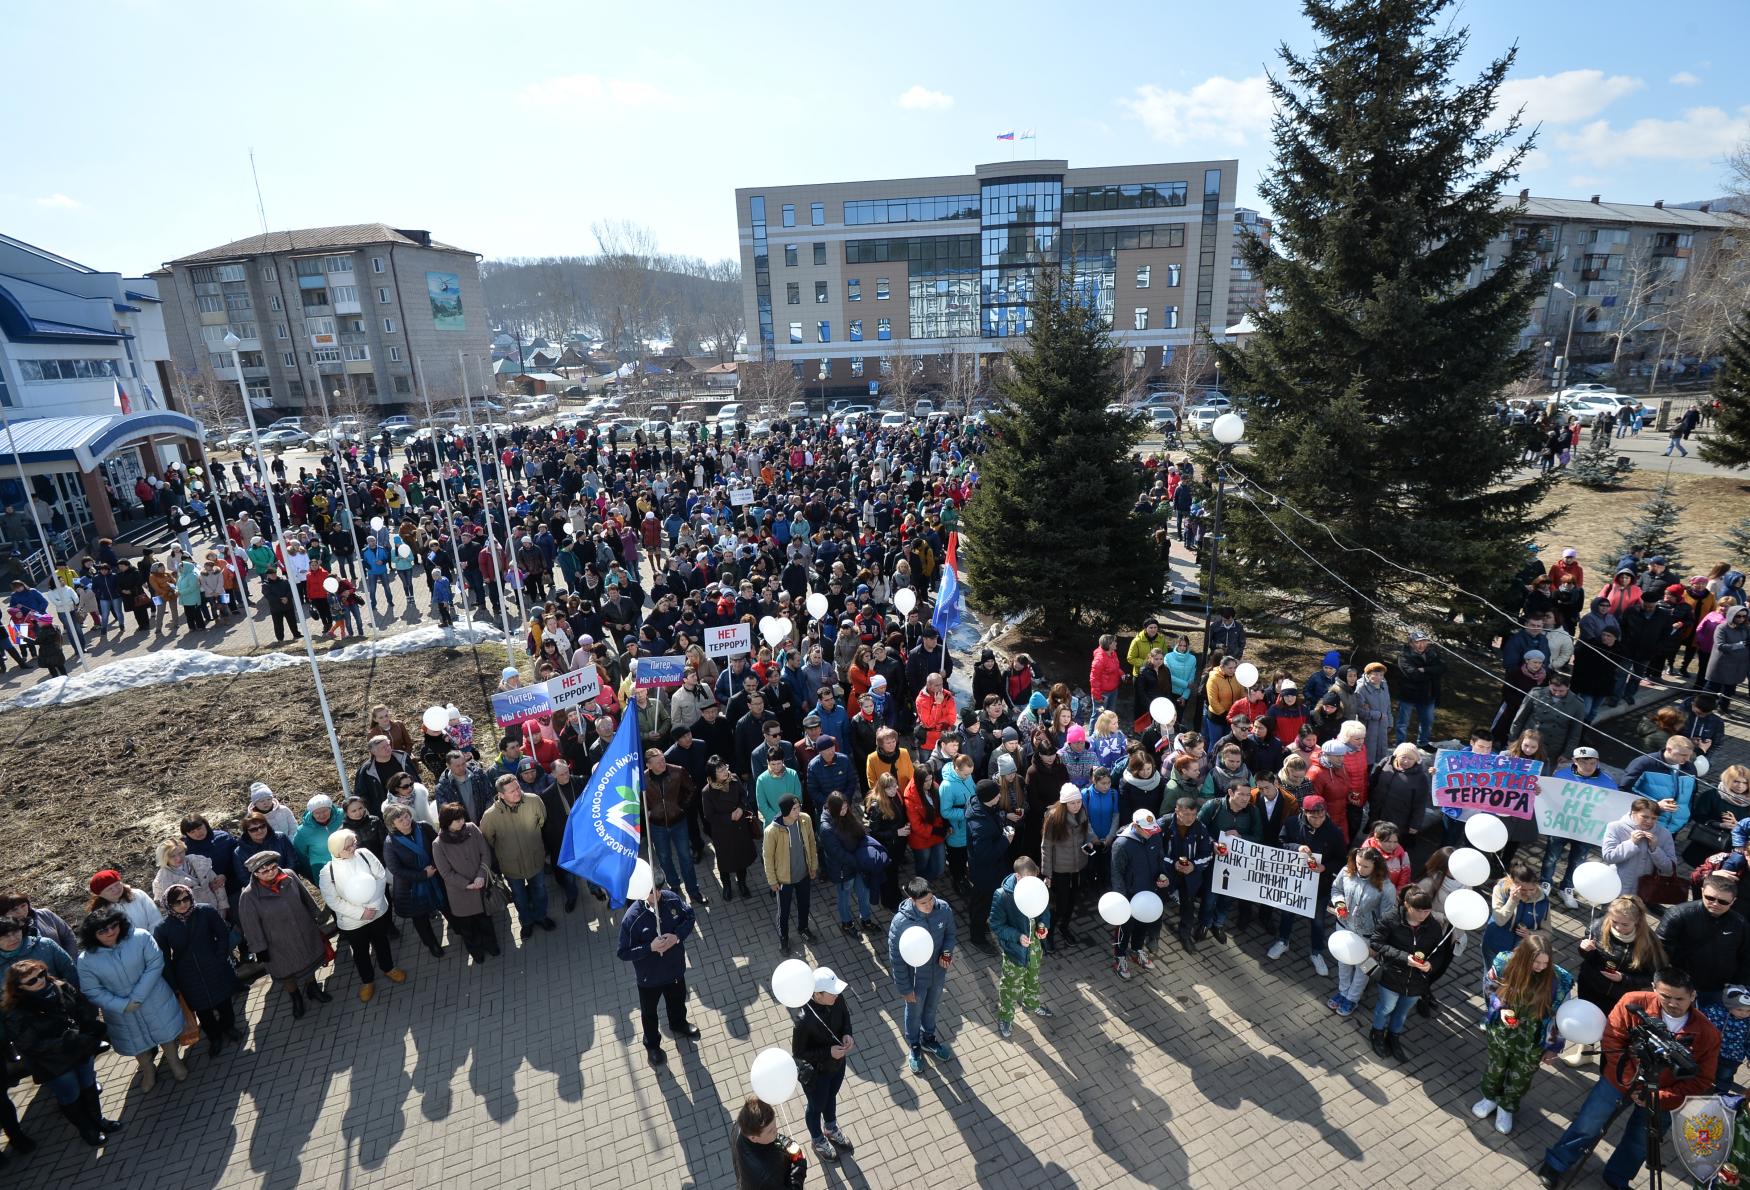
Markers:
<point>1667,1011</point>
<point>1708,939</point>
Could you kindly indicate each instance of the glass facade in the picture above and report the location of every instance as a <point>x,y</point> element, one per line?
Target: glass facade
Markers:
<point>1020,220</point>
<point>925,253</point>
<point>1124,198</point>
<point>1206,246</point>
<point>862,212</point>
<point>762,274</point>
<point>1106,240</point>
<point>944,307</point>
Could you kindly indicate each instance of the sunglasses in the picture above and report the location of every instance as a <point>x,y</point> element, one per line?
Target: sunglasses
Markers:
<point>1713,900</point>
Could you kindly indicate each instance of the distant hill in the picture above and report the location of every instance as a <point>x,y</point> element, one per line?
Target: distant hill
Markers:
<point>691,303</point>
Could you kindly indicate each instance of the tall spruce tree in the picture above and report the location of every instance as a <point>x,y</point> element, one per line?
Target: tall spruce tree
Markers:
<point>1727,443</point>
<point>1374,367</point>
<point>1053,525</point>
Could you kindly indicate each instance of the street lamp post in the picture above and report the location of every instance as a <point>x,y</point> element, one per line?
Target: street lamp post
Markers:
<point>232,343</point>
<point>1227,431</point>
<point>1568,345</point>
<point>340,479</point>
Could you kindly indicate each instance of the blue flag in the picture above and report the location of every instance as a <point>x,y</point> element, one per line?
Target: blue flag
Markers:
<point>601,836</point>
<point>948,610</point>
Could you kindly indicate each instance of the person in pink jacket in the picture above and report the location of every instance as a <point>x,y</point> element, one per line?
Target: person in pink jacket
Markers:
<point>1104,675</point>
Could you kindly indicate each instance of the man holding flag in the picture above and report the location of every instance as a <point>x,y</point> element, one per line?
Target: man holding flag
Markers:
<point>949,611</point>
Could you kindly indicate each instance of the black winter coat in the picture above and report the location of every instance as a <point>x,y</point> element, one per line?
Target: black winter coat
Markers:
<point>1714,950</point>
<point>197,957</point>
<point>1398,797</point>
<point>54,1036</point>
<point>1394,940</point>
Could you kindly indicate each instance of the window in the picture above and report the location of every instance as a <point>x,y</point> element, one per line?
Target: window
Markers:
<point>856,365</point>
<point>213,335</point>
<point>402,386</point>
<point>823,331</point>
<point>367,384</point>
<point>309,266</point>
<point>911,210</point>
<point>1172,276</point>
<point>854,290</point>
<point>231,272</point>
<point>338,264</point>
<point>789,256</point>
<point>856,330</point>
<point>33,370</point>
<point>376,264</point>
<point>1170,318</point>
<point>382,295</point>
<point>1138,357</point>
<point>267,271</point>
<point>817,214</point>
<point>319,326</point>
<point>209,303</point>
<point>795,332</point>
<point>789,214</point>
<point>289,358</point>
<point>820,293</point>
<point>1124,198</point>
<point>1142,271</point>
<point>324,355</point>
<point>883,329</point>
<point>356,352</point>
<point>202,276</point>
<point>796,369</point>
<point>1140,317</point>
<point>756,208</point>
<point>793,293</point>
<point>273,301</point>
<point>394,355</point>
<point>346,293</point>
<point>314,297</point>
<point>820,254</point>
<point>238,302</point>
<point>886,366</point>
<point>881,291</point>
<point>251,359</point>
<point>388,326</point>
<point>281,331</point>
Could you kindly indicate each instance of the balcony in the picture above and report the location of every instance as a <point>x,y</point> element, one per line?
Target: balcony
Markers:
<point>342,306</point>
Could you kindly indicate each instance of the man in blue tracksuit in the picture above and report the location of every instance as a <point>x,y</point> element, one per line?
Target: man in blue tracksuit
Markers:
<point>653,938</point>
<point>376,559</point>
<point>921,986</point>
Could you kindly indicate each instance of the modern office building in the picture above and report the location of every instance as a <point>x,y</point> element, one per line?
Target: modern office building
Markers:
<point>1245,292</point>
<point>843,279</point>
<point>1610,270</point>
<point>352,308</point>
<point>84,373</point>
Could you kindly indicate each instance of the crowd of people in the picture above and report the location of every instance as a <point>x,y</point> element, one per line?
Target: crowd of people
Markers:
<point>853,751</point>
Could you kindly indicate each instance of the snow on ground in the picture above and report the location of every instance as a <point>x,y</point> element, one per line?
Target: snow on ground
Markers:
<point>180,665</point>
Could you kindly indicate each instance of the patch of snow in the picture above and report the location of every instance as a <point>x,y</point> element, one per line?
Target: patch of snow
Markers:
<point>181,665</point>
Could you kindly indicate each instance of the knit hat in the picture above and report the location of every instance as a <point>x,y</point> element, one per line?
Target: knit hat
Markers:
<point>1535,655</point>
<point>1037,702</point>
<point>104,879</point>
<point>1076,734</point>
<point>260,860</point>
<point>1332,659</point>
<point>320,802</point>
<point>878,682</point>
<point>259,792</point>
<point>1313,802</point>
<point>1005,765</point>
<point>1069,793</point>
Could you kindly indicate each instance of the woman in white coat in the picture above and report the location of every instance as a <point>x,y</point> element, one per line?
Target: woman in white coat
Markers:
<point>177,866</point>
<point>356,888</point>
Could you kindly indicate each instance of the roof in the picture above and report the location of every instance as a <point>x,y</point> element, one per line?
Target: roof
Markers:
<point>21,327</point>
<point>88,440</point>
<point>1616,212</point>
<point>547,378</point>
<point>311,239</point>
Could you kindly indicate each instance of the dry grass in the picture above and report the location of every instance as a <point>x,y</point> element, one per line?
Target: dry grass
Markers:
<point>1594,521</point>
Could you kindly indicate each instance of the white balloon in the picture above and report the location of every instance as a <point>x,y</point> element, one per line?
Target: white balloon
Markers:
<point>773,1075</point>
<point>1468,866</point>
<point>905,599</point>
<point>1346,946</point>
<point>765,626</point>
<point>643,881</point>
<point>406,551</point>
<point>1598,882</point>
<point>1114,909</point>
<point>1031,896</point>
<point>1466,909</point>
<point>1162,712</point>
<point>916,945</point>
<point>376,522</point>
<point>1246,675</point>
<point>1701,765</point>
<point>331,584</point>
<point>1146,906</point>
<point>1580,1021</point>
<point>1486,832</point>
<point>775,630</point>
<point>184,522</point>
<point>793,983</point>
<point>816,604</point>
<point>435,719</point>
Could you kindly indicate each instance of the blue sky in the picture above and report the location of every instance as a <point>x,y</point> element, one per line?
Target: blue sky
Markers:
<point>508,128</point>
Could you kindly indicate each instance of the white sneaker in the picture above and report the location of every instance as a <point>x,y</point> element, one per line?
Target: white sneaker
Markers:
<point>1319,965</point>
<point>1481,1108</point>
<point>1277,950</point>
<point>1503,1121</point>
<point>1123,968</point>
<point>1569,899</point>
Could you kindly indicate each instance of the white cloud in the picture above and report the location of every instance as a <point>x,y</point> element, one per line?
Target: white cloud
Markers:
<point>919,98</point>
<point>1703,133</point>
<point>1563,98</point>
<point>60,202</point>
<point>1224,111</point>
<point>572,91</point>
<point>1684,79</point>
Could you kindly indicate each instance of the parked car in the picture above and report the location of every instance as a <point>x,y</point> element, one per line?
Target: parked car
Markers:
<point>287,423</point>
<point>281,439</point>
<point>1163,420</point>
<point>1212,400</point>
<point>924,407</point>
<point>1576,391</point>
<point>729,414</point>
<point>324,439</point>
<point>796,411</point>
<point>394,423</point>
<point>1588,409</point>
<point>893,420</point>
<point>1202,417</point>
<point>571,421</point>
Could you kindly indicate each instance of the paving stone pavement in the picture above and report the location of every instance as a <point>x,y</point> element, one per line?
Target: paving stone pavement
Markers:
<point>1219,1069</point>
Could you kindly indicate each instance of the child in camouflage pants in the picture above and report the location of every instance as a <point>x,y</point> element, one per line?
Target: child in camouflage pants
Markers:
<point>1020,939</point>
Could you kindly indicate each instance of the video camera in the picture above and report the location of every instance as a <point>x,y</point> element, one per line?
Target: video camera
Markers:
<point>1657,1049</point>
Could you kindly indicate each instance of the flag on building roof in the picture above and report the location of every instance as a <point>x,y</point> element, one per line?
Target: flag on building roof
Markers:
<point>1009,135</point>
<point>121,398</point>
<point>1027,134</point>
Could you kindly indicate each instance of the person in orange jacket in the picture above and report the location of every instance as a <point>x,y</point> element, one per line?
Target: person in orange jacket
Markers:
<point>936,710</point>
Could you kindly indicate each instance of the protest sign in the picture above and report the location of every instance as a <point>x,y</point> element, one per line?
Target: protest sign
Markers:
<point>726,640</point>
<point>1501,785</point>
<point>511,707</point>
<point>658,672</point>
<point>1575,810</point>
<point>1274,876</point>
<point>575,688</point>
<point>740,497</point>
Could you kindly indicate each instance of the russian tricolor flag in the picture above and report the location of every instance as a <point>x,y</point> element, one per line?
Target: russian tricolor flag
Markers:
<point>1009,135</point>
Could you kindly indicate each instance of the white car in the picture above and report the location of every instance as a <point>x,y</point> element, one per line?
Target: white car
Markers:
<point>570,421</point>
<point>237,439</point>
<point>524,410</point>
<point>1576,391</point>
<point>286,423</point>
<point>893,419</point>
<point>1212,401</point>
<point>1588,409</point>
<point>1205,416</point>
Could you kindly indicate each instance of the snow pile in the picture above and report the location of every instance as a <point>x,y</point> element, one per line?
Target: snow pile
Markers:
<point>181,665</point>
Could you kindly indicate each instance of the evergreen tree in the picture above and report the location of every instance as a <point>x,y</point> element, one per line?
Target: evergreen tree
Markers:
<point>1654,530</point>
<point>1727,443</point>
<point>1599,467</point>
<point>1737,543</point>
<point>1053,526</point>
<point>1375,368</point>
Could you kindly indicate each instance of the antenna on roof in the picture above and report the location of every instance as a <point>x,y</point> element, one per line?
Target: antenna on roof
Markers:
<point>259,207</point>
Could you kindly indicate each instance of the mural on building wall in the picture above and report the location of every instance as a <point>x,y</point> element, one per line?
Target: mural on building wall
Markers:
<point>445,290</point>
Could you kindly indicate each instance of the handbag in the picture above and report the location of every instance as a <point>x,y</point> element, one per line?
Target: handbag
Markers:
<point>1669,889</point>
<point>1711,837</point>
<point>191,1028</point>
